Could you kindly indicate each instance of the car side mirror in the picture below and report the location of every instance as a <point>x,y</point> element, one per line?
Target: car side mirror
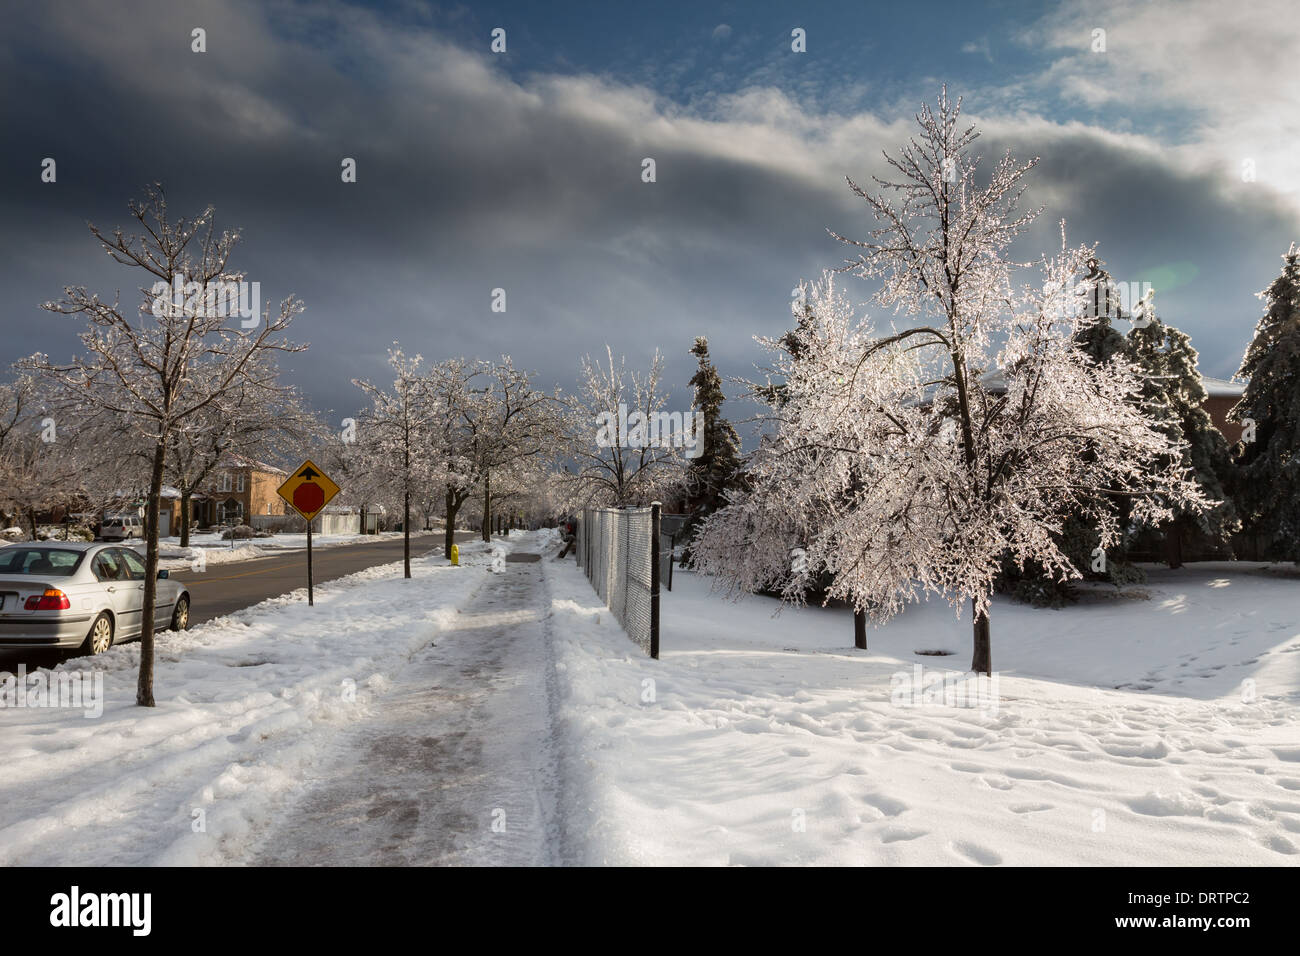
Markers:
<point>164,573</point>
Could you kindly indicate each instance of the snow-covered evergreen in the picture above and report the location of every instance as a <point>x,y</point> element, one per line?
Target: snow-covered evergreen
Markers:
<point>1270,409</point>
<point>710,476</point>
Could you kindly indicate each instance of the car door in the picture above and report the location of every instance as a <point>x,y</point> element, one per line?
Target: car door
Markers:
<point>164,595</point>
<point>133,585</point>
<point>111,572</point>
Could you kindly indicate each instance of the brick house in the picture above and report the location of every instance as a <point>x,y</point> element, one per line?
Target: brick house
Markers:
<point>239,488</point>
<point>1223,395</point>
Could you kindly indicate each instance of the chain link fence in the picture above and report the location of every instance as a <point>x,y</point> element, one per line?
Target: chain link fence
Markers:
<point>618,549</point>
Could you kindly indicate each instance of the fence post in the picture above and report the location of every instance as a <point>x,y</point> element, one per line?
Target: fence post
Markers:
<point>672,558</point>
<point>655,508</point>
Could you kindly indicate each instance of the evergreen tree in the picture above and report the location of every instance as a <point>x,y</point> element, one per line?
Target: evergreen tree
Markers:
<point>709,476</point>
<point>1098,338</point>
<point>1174,397</point>
<point>1270,411</point>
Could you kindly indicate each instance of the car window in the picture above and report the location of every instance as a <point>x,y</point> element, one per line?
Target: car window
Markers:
<point>51,562</point>
<point>134,566</point>
<point>107,567</point>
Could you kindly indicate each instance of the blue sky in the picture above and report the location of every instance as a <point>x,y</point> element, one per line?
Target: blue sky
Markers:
<point>522,170</point>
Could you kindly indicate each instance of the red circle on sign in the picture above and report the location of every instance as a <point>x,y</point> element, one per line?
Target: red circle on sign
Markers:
<point>308,498</point>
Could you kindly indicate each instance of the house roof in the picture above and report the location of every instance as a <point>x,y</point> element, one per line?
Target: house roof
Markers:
<point>236,460</point>
<point>995,383</point>
<point>1222,388</point>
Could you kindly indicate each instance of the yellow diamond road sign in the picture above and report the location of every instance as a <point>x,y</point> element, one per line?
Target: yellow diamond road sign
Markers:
<point>308,490</point>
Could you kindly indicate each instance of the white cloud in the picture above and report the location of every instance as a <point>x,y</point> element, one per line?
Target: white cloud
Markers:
<point>1217,81</point>
<point>980,46</point>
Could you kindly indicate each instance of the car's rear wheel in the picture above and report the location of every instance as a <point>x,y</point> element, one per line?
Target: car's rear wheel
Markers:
<point>100,637</point>
<point>181,615</point>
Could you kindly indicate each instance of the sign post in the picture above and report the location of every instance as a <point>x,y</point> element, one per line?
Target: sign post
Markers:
<point>307,491</point>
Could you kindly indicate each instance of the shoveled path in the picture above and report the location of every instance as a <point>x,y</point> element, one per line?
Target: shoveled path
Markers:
<point>456,765</point>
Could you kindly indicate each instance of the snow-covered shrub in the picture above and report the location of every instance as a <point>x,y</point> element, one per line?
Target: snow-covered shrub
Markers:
<point>58,532</point>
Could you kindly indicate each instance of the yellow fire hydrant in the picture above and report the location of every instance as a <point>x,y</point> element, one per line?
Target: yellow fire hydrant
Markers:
<point>455,556</point>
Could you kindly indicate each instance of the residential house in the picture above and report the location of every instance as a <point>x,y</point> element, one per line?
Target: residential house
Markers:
<point>1223,396</point>
<point>240,488</point>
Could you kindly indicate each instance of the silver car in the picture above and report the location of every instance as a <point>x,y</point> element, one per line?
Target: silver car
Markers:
<point>74,595</point>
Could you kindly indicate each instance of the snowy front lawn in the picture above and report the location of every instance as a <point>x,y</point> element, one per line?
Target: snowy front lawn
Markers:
<point>1124,730</point>
<point>247,704</point>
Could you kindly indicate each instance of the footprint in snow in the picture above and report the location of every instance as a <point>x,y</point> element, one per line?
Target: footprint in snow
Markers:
<point>886,805</point>
<point>1279,844</point>
<point>973,853</point>
<point>898,834</point>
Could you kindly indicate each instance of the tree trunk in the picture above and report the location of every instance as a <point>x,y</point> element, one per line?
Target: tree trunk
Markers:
<point>144,688</point>
<point>487,507</point>
<point>1174,543</point>
<point>406,533</point>
<point>449,536</point>
<point>860,630</point>
<point>186,505</point>
<point>31,519</point>
<point>982,663</point>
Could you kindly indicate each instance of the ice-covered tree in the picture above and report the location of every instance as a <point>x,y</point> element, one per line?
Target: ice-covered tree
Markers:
<point>42,452</point>
<point>452,385</point>
<point>624,446</point>
<point>361,472</point>
<point>514,426</point>
<point>257,419</point>
<point>396,434</point>
<point>922,467</point>
<point>154,370</point>
<point>1269,410</point>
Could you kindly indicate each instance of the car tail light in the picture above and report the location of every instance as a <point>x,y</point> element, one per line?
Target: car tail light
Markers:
<point>51,600</point>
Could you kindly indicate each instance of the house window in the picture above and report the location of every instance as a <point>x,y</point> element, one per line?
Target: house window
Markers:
<point>223,483</point>
<point>241,483</point>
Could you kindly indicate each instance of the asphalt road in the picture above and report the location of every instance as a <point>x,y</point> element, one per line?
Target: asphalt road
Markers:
<point>224,588</point>
<point>240,584</point>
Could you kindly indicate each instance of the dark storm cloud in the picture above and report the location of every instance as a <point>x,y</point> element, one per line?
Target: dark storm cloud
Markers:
<point>469,180</point>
